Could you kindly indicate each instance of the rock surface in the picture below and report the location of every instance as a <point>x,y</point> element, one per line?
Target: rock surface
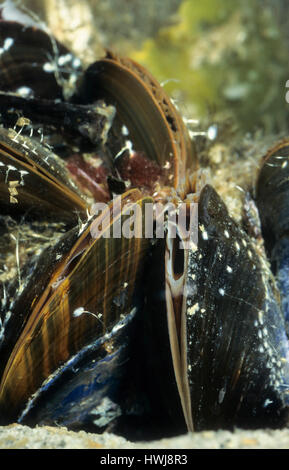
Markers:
<point>22,437</point>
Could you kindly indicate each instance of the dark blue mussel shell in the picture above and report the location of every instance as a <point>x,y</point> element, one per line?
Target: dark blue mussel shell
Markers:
<point>91,390</point>
<point>232,344</point>
<point>272,201</point>
<point>34,63</point>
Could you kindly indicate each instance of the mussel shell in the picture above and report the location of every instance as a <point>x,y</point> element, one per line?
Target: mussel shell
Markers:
<point>236,341</point>
<point>213,355</point>
<point>233,348</point>
<point>30,59</point>
<point>81,124</point>
<point>17,299</point>
<point>89,291</point>
<point>272,198</point>
<point>154,125</point>
<point>39,177</point>
<point>88,390</point>
<point>272,194</point>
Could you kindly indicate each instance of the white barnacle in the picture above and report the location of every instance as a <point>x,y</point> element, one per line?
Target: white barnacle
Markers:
<point>221,291</point>
<point>229,269</point>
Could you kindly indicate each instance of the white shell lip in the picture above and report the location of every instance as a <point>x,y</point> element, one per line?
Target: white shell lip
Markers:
<point>175,288</point>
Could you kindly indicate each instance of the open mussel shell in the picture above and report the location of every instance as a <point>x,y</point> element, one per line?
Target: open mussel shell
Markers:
<point>222,328</point>
<point>34,179</point>
<point>78,316</point>
<point>33,63</point>
<point>154,126</point>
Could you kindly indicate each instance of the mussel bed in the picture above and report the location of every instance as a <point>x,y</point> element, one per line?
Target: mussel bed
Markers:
<point>136,334</point>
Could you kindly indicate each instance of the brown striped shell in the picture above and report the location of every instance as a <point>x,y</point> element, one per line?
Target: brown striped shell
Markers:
<point>80,289</point>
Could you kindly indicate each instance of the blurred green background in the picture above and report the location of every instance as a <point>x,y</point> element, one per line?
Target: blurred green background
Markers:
<point>222,59</point>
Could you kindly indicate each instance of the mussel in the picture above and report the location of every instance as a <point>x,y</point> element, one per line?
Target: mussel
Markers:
<point>271,197</point>
<point>111,326</point>
<point>229,348</point>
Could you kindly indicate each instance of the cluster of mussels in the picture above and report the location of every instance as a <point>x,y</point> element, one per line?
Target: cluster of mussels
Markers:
<point>136,335</point>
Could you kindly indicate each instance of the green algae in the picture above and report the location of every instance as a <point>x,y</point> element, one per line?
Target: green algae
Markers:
<point>224,57</point>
